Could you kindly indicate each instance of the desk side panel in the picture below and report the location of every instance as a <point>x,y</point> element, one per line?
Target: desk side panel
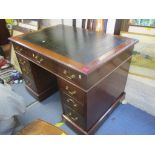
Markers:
<point>103,95</point>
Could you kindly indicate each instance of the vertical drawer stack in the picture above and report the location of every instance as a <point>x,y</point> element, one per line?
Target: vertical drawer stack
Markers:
<point>27,73</point>
<point>73,98</point>
<point>39,82</point>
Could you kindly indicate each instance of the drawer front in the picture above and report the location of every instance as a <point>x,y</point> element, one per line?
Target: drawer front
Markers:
<point>39,59</point>
<point>71,90</point>
<point>73,104</point>
<point>72,75</point>
<point>27,74</point>
<point>25,66</point>
<point>75,117</point>
<point>57,68</point>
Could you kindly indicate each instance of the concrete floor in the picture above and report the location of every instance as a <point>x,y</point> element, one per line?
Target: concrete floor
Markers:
<point>140,92</point>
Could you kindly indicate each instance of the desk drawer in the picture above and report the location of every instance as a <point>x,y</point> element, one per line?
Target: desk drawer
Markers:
<point>53,66</point>
<point>72,75</point>
<point>71,90</point>
<point>75,117</point>
<point>73,104</point>
<point>39,59</point>
<point>25,66</point>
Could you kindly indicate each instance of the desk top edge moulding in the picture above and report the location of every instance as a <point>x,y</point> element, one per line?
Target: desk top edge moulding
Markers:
<point>90,69</point>
<point>80,49</point>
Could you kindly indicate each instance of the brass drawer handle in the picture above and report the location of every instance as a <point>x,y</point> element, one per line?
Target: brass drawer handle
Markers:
<point>19,49</point>
<point>70,92</point>
<point>37,58</point>
<point>69,100</point>
<point>40,60</point>
<point>73,118</point>
<point>22,62</point>
<point>69,76</point>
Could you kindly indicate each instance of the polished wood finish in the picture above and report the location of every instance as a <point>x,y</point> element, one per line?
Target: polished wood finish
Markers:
<point>39,82</point>
<point>40,127</point>
<point>91,70</point>
<point>92,130</point>
<point>73,103</point>
<point>69,62</point>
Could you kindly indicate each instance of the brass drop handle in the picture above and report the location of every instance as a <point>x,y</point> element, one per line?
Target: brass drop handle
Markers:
<point>39,59</point>
<point>69,100</point>
<point>24,62</point>
<point>19,49</point>
<point>69,76</point>
<point>70,92</point>
<point>73,118</point>
<point>36,57</point>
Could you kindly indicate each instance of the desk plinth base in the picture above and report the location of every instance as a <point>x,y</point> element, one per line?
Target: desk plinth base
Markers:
<point>93,129</point>
<point>43,95</point>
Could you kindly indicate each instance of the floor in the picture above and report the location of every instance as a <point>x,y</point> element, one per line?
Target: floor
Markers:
<point>125,120</point>
<point>140,92</point>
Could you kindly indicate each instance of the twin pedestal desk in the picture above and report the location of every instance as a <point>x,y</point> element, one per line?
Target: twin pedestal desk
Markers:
<point>89,68</point>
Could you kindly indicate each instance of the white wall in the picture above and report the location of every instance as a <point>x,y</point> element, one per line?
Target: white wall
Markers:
<point>68,22</point>
<point>111,26</point>
<point>52,22</point>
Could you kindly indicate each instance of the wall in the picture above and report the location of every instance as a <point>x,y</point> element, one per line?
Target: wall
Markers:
<point>49,22</point>
<point>143,30</point>
<point>52,22</point>
<point>111,26</point>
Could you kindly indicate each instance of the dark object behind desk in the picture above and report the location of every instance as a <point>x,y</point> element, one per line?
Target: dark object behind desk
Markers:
<point>1,52</point>
<point>4,33</point>
<point>1,81</point>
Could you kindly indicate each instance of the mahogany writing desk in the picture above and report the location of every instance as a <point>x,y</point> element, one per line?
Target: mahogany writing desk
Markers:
<point>89,68</point>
